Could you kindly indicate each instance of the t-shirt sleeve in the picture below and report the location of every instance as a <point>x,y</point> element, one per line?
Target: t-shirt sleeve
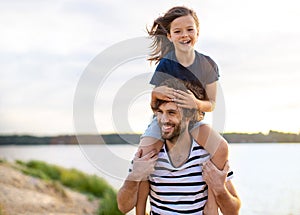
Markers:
<point>212,74</point>
<point>160,73</point>
<point>158,77</point>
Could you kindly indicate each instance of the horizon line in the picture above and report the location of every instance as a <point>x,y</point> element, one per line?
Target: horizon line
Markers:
<point>131,133</point>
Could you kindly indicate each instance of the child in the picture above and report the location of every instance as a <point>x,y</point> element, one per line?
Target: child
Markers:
<point>174,37</point>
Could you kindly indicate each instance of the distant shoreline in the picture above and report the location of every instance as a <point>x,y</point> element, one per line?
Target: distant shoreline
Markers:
<point>271,137</point>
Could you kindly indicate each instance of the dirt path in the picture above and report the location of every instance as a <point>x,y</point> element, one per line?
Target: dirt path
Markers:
<point>22,194</point>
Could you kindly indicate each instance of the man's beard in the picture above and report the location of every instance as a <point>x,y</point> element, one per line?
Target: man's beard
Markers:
<point>177,130</point>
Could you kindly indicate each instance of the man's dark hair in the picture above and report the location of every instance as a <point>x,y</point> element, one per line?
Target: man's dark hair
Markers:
<point>178,84</point>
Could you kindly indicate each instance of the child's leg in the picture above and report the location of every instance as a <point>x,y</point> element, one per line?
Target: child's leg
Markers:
<point>212,142</point>
<point>140,208</point>
<point>151,139</point>
<point>217,146</point>
<point>211,207</point>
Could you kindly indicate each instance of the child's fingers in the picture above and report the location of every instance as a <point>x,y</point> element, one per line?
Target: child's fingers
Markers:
<point>180,95</point>
<point>183,105</point>
<point>179,92</point>
<point>190,92</point>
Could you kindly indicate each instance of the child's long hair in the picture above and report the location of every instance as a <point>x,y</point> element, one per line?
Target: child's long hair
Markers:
<point>161,28</point>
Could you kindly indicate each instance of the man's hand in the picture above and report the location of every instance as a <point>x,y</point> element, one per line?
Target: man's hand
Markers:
<point>224,191</point>
<point>142,167</point>
<point>214,177</point>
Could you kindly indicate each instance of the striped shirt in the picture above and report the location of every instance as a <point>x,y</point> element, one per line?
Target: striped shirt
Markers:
<point>179,190</point>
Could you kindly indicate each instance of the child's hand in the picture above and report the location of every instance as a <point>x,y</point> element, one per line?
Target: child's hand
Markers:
<point>185,100</point>
<point>163,93</point>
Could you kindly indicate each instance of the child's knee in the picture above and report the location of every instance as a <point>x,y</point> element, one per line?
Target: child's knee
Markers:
<point>148,141</point>
<point>223,149</point>
<point>221,154</point>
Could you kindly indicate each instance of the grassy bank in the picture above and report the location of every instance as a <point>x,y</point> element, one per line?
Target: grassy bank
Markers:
<point>1,210</point>
<point>91,185</point>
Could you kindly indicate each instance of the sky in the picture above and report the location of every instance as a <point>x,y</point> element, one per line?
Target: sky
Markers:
<point>47,46</point>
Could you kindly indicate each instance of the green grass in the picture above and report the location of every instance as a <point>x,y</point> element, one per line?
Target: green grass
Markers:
<point>91,185</point>
<point>2,210</point>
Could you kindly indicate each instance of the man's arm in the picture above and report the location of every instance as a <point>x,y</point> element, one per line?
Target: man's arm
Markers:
<point>127,195</point>
<point>142,167</point>
<point>224,192</point>
<point>228,199</point>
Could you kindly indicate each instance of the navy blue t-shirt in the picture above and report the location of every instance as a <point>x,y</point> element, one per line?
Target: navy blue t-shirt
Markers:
<point>203,70</point>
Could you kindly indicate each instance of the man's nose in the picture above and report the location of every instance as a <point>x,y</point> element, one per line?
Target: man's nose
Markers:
<point>164,118</point>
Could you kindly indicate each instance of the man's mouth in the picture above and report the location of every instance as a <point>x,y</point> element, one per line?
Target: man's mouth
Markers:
<point>167,128</point>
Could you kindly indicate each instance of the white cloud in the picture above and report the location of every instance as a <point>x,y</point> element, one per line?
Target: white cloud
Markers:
<point>43,30</point>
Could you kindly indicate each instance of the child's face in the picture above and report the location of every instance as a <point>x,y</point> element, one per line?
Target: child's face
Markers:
<point>183,33</point>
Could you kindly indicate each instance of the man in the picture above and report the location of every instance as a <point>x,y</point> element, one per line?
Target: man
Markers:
<point>176,184</point>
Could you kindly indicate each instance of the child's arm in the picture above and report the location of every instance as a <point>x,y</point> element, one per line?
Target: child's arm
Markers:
<point>211,91</point>
<point>163,93</point>
<point>188,100</point>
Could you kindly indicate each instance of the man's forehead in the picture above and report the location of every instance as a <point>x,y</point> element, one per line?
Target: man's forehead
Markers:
<point>169,106</point>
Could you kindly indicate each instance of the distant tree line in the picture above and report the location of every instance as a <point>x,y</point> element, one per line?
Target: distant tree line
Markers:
<point>271,137</point>
<point>23,140</point>
<point>69,139</point>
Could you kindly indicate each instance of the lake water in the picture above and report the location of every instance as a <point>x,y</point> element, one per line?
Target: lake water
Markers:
<point>266,176</point>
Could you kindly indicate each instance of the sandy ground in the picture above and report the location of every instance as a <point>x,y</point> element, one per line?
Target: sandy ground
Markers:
<point>22,194</point>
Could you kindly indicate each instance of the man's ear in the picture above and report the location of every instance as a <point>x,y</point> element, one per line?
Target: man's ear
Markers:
<point>187,119</point>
